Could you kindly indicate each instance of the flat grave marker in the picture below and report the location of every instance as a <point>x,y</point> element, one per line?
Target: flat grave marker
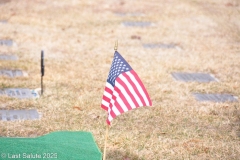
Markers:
<point>136,24</point>
<point>6,42</point>
<point>8,57</point>
<point>215,97</point>
<point>2,2</point>
<point>21,93</point>
<point>11,115</point>
<point>133,14</point>
<point>160,45</point>
<point>12,73</point>
<point>190,77</point>
<point>3,21</point>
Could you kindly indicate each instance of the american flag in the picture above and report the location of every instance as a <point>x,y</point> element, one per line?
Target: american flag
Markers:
<point>124,90</point>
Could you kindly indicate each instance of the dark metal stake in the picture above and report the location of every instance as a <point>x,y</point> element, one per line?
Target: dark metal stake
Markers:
<point>42,70</point>
<point>41,85</point>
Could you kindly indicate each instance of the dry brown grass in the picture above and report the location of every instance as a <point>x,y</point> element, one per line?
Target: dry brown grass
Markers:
<point>78,39</point>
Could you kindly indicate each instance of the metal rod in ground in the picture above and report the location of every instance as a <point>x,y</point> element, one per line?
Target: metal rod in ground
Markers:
<point>41,85</point>
<point>105,146</point>
<point>42,70</point>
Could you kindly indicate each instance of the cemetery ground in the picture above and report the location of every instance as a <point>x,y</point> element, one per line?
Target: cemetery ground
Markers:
<point>78,39</point>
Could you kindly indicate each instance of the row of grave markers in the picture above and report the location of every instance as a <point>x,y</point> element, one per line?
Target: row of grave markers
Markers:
<point>204,78</point>
<point>185,77</point>
<point>20,93</point>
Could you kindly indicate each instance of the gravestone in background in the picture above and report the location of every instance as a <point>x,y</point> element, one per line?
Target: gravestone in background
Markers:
<point>8,57</point>
<point>190,77</point>
<point>21,93</point>
<point>3,21</point>
<point>6,42</point>
<point>2,2</point>
<point>12,73</point>
<point>215,97</point>
<point>136,24</point>
<point>133,14</point>
<point>11,115</point>
<point>160,45</point>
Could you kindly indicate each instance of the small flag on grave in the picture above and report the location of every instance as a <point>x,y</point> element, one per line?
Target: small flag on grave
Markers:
<point>124,90</point>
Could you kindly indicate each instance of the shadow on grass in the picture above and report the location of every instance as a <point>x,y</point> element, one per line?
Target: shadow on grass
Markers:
<point>120,155</point>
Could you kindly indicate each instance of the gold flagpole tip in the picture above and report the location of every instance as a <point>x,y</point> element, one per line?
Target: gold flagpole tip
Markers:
<point>116,46</point>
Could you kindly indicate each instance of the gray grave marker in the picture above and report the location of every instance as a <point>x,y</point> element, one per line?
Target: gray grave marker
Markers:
<point>2,2</point>
<point>215,97</point>
<point>3,21</point>
<point>136,24</point>
<point>199,77</point>
<point>2,92</point>
<point>133,14</point>
<point>12,73</point>
<point>21,93</point>
<point>8,57</point>
<point>6,42</point>
<point>160,45</point>
<point>11,115</point>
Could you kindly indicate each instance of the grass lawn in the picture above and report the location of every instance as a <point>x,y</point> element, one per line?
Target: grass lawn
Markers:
<point>78,39</point>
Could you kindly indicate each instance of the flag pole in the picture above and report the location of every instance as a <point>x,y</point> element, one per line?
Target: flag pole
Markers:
<point>116,45</point>
<point>106,136</point>
<point>105,145</point>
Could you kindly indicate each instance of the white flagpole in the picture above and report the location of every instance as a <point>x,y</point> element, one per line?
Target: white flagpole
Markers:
<point>105,146</point>
<point>106,136</point>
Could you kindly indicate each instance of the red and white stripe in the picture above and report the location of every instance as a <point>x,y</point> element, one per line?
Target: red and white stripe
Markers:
<point>127,94</point>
